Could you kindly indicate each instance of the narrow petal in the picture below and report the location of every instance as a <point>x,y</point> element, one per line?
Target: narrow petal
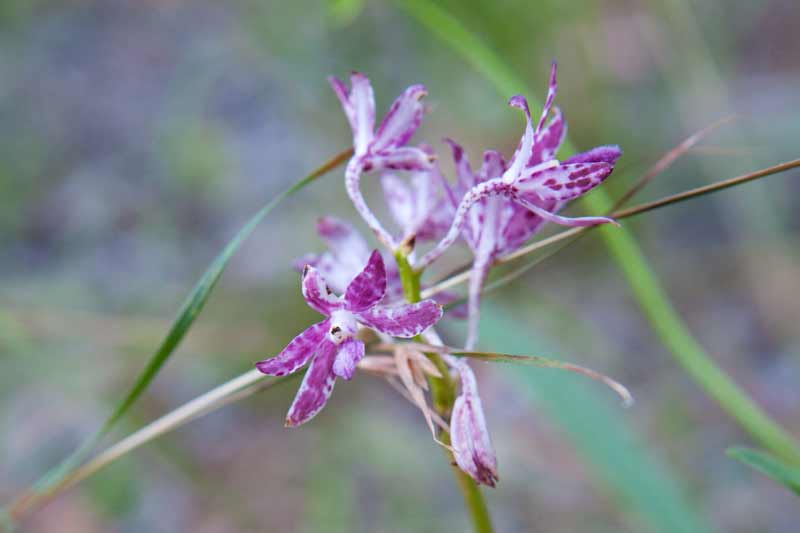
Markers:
<point>404,321</point>
<point>493,165</point>
<point>363,101</point>
<point>344,98</point>
<point>316,387</point>
<point>549,139</point>
<point>403,158</point>
<point>522,154</point>
<point>297,352</point>
<point>564,182</point>
<point>465,177</point>
<point>402,120</point>
<point>605,154</point>
<point>317,293</point>
<point>350,353</point>
<point>565,221</point>
<point>369,287</point>
<point>552,89</point>
<point>399,199</point>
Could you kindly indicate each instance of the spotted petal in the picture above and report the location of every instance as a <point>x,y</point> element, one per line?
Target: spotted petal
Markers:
<point>406,321</point>
<point>403,158</point>
<point>368,288</point>
<point>402,120</point>
<point>297,352</point>
<point>350,353</point>
<point>316,387</point>
<point>317,293</point>
<point>549,139</point>
<point>359,107</point>
<point>563,182</point>
<point>606,154</point>
<point>522,154</point>
<point>473,450</point>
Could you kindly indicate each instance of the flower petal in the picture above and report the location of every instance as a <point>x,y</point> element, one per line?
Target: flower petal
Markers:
<point>565,221</point>
<point>465,177</point>
<point>297,352</point>
<point>473,450</point>
<point>350,353</point>
<point>549,139</point>
<point>606,154</point>
<point>552,89</point>
<point>316,387</point>
<point>399,199</point>
<point>359,107</point>
<point>563,182</point>
<point>405,321</point>
<point>402,120</point>
<point>403,158</point>
<point>522,154</point>
<point>317,293</point>
<point>369,287</point>
<point>493,165</point>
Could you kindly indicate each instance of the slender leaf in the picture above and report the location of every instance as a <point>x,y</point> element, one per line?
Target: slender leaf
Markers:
<point>186,316</point>
<point>597,429</point>
<point>769,465</point>
<point>652,298</point>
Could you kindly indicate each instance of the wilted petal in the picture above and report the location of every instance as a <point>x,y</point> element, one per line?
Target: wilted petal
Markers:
<point>297,352</point>
<point>350,353</point>
<point>317,293</point>
<point>399,200</point>
<point>407,320</point>
<point>605,154</point>
<point>369,287</point>
<point>402,120</point>
<point>563,182</point>
<point>473,450</point>
<point>316,387</point>
<point>403,158</point>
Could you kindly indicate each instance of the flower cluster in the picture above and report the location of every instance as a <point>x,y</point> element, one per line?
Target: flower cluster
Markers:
<point>494,210</point>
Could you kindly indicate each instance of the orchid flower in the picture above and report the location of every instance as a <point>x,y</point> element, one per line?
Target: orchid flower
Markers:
<point>382,149</point>
<point>469,436</point>
<point>331,345</point>
<point>503,205</point>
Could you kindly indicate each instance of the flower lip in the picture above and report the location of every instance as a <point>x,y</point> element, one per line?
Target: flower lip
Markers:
<point>343,326</point>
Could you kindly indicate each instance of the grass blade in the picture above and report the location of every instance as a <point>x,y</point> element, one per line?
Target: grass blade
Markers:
<point>186,316</point>
<point>768,465</point>
<point>651,297</point>
<point>614,453</point>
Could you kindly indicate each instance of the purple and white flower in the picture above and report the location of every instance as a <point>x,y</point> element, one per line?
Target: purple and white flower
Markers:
<point>504,204</point>
<point>331,346</point>
<point>382,149</point>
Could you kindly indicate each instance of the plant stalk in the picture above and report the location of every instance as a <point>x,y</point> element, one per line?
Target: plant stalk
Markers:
<point>443,393</point>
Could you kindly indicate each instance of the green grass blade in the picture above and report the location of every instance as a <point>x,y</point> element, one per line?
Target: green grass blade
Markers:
<point>186,316</point>
<point>597,429</point>
<point>652,298</point>
<point>768,465</point>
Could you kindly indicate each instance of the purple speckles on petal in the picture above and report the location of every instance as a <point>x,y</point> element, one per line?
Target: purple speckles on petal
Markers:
<point>297,353</point>
<point>564,182</point>
<point>316,387</point>
<point>317,293</point>
<point>368,288</point>
<point>402,120</point>
<point>405,321</point>
<point>350,353</point>
<point>601,154</point>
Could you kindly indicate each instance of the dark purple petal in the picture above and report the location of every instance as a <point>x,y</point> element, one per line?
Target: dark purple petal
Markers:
<point>316,387</point>
<point>297,352</point>
<point>402,120</point>
<point>407,320</point>
<point>602,154</point>
<point>368,288</point>
<point>317,293</point>
<point>521,226</point>
<point>473,450</point>
<point>563,182</point>
<point>350,353</point>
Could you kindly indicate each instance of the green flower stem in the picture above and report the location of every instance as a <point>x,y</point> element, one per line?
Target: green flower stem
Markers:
<point>443,393</point>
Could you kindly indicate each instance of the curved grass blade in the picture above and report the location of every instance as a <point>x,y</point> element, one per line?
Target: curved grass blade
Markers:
<point>186,316</point>
<point>770,466</point>
<point>647,290</point>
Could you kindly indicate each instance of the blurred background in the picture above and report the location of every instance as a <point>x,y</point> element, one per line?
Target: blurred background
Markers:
<point>136,137</point>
